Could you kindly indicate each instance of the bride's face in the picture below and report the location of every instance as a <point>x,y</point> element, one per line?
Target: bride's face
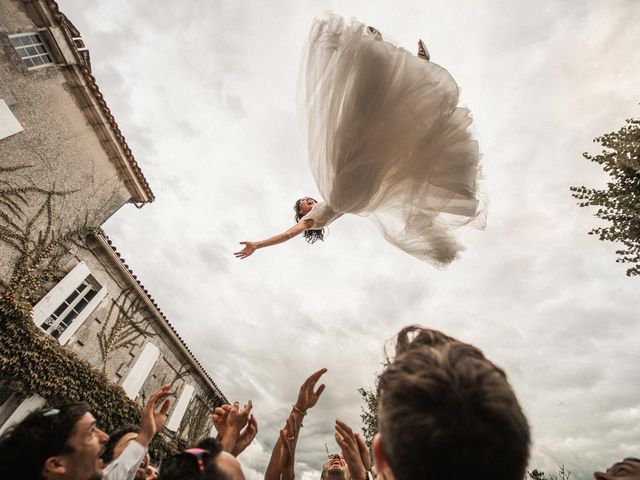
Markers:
<point>305,206</point>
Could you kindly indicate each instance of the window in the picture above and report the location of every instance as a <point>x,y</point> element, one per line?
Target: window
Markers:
<point>63,310</point>
<point>31,49</point>
<point>68,311</point>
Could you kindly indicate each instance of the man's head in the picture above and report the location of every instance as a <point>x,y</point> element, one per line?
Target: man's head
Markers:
<point>151,473</point>
<point>629,469</point>
<point>60,443</point>
<point>118,441</point>
<point>206,462</point>
<point>335,468</point>
<point>445,411</point>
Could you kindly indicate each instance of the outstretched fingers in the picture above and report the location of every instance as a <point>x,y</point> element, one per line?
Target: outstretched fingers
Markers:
<point>246,251</point>
<point>163,391</point>
<point>164,408</point>
<point>365,456</point>
<point>253,425</point>
<point>314,377</point>
<point>346,434</point>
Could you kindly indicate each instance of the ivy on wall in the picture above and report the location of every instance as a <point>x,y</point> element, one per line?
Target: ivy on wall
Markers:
<point>28,226</point>
<point>195,424</point>
<point>31,361</point>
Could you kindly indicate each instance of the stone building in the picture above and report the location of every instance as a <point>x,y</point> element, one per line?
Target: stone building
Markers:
<point>65,168</point>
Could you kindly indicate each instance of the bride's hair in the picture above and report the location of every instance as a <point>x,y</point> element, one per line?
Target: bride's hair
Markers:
<point>309,235</point>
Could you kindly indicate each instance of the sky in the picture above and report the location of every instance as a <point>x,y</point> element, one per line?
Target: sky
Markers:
<point>205,94</point>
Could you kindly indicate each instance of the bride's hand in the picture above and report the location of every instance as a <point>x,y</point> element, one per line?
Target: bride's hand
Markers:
<point>249,248</point>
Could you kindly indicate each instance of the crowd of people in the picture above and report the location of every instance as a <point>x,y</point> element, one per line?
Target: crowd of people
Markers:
<point>444,411</point>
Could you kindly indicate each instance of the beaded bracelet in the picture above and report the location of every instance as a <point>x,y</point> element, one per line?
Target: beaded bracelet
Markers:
<point>296,409</point>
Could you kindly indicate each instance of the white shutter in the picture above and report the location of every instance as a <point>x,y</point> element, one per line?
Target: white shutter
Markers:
<point>84,314</point>
<point>9,124</point>
<point>27,406</point>
<point>140,371</point>
<point>59,293</point>
<point>181,408</point>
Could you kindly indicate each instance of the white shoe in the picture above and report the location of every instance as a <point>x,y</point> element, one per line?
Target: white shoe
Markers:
<point>374,31</point>
<point>422,51</point>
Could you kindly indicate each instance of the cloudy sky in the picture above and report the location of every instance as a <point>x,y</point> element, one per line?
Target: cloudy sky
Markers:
<point>205,93</point>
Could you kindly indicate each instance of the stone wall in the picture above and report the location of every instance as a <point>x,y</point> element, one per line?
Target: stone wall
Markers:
<point>137,323</point>
<point>58,147</point>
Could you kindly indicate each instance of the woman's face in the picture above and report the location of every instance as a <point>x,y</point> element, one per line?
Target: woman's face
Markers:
<point>305,206</point>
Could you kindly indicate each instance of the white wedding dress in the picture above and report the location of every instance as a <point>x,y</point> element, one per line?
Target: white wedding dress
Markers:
<point>387,139</point>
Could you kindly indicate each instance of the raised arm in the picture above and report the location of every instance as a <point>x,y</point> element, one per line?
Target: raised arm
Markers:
<point>282,458</point>
<point>297,229</point>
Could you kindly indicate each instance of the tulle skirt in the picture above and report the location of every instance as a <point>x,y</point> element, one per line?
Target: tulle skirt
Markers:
<point>387,139</point>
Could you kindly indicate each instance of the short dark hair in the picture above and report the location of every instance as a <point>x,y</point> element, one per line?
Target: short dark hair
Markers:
<point>445,411</point>
<point>184,465</point>
<point>44,433</point>
<point>114,438</point>
<point>311,236</point>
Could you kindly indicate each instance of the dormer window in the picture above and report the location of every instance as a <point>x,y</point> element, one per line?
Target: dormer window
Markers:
<point>32,49</point>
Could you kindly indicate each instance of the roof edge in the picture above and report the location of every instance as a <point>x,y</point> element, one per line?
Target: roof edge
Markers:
<point>106,243</point>
<point>137,184</point>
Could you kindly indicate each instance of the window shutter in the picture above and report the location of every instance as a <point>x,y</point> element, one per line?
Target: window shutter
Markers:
<point>181,408</point>
<point>141,369</point>
<point>9,124</point>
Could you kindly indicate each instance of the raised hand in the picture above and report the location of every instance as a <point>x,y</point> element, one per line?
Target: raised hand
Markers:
<point>219,419</point>
<point>288,448</point>
<point>354,451</point>
<point>249,248</point>
<point>242,418</point>
<point>365,454</point>
<point>237,419</point>
<point>308,395</point>
<point>246,436</point>
<point>154,415</point>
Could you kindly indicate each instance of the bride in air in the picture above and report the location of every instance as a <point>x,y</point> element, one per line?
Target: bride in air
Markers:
<point>386,139</point>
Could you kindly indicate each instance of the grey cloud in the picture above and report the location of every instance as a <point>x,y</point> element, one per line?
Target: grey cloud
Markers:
<point>205,93</point>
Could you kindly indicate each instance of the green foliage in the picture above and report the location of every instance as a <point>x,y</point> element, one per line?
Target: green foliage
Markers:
<point>563,474</point>
<point>196,423</point>
<point>619,203</point>
<point>369,412</point>
<point>32,362</point>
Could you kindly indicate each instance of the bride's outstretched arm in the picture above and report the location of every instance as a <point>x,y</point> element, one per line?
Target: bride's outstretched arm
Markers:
<point>297,229</point>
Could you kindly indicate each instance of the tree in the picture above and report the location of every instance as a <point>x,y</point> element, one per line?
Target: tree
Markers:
<point>369,412</point>
<point>563,474</point>
<point>619,202</point>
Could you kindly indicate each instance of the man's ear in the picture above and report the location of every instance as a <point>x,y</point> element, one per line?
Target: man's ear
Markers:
<point>380,459</point>
<point>54,465</point>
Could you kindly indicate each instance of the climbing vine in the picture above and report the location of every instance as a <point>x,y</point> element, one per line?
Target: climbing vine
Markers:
<point>195,424</point>
<point>32,362</point>
<point>125,324</point>
<point>28,217</point>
